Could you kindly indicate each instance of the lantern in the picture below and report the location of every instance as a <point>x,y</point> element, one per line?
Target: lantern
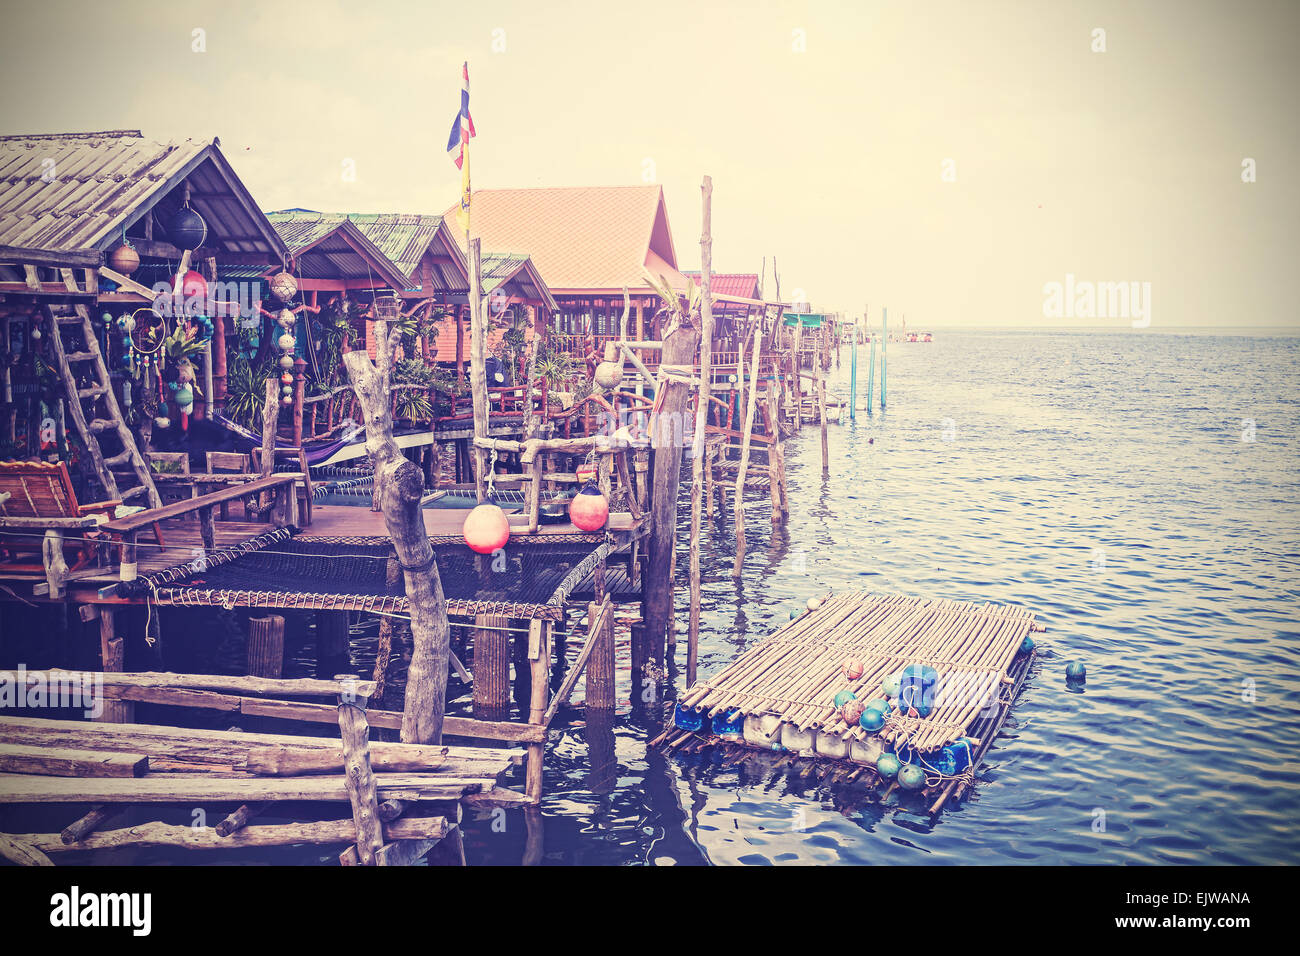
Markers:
<point>589,509</point>
<point>283,286</point>
<point>486,528</point>
<point>188,230</point>
<point>124,259</point>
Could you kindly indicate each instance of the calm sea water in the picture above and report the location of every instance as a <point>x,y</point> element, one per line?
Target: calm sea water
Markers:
<point>1138,490</point>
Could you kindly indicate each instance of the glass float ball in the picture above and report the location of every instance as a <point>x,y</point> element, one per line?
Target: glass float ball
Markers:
<point>887,766</point>
<point>124,259</point>
<point>286,362</point>
<point>911,777</point>
<point>287,400</point>
<point>891,684</point>
<point>843,697</point>
<point>871,719</point>
<point>286,342</point>
<point>1075,670</point>
<point>284,286</point>
<point>814,603</point>
<point>286,389</point>
<point>1027,645</point>
<point>853,669</point>
<point>852,712</point>
<point>188,230</point>
<point>793,614</point>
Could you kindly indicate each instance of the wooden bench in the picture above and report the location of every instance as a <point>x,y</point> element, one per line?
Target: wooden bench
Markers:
<point>284,512</point>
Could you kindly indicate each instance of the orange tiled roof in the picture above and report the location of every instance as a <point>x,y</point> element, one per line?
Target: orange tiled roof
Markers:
<point>582,238</point>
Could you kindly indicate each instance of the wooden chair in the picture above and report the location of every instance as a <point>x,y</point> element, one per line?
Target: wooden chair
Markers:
<point>42,491</point>
<point>298,458</point>
<point>171,463</point>
<point>228,463</point>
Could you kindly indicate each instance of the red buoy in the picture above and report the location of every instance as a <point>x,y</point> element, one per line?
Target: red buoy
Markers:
<point>852,669</point>
<point>194,286</point>
<point>589,509</point>
<point>486,529</point>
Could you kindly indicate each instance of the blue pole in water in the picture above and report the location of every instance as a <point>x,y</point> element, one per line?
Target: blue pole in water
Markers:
<point>884,344</point>
<point>853,377</point>
<point>871,373</point>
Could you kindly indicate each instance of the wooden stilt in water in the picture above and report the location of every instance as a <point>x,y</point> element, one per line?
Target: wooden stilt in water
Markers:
<point>360,781</point>
<point>112,649</point>
<point>601,690</point>
<point>539,656</point>
<point>491,667</point>
<point>701,427</point>
<point>738,504</point>
<point>266,646</point>
<point>821,415</point>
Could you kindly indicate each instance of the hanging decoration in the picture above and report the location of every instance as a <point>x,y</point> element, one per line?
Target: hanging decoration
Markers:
<point>188,230</point>
<point>283,286</point>
<point>589,509</point>
<point>124,258</point>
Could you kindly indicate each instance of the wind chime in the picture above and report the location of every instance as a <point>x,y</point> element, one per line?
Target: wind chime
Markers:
<point>284,287</point>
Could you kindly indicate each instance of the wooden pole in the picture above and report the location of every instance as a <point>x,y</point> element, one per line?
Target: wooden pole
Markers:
<point>478,365</point>
<point>266,646</point>
<point>884,344</point>
<point>738,505</point>
<point>491,667</point>
<point>359,779</point>
<point>680,343</point>
<point>112,649</point>
<point>821,415</point>
<point>701,423</point>
<point>601,688</point>
<point>392,578</point>
<point>539,656</point>
<point>426,684</point>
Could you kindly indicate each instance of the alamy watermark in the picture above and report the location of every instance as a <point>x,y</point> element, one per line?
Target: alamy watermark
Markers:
<point>1084,299</point>
<point>42,690</point>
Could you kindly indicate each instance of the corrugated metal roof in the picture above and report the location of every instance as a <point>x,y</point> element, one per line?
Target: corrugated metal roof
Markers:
<point>742,284</point>
<point>404,238</point>
<point>76,191</point>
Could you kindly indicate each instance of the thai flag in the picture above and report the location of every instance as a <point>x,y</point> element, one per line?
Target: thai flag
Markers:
<point>462,127</point>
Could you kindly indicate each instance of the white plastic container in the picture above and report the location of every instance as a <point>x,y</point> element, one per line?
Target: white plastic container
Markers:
<point>866,751</point>
<point>802,742</point>
<point>832,746</point>
<point>761,731</point>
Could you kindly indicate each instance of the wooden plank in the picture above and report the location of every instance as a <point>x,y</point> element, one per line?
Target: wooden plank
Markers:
<point>209,788</point>
<point>179,508</point>
<point>15,758</point>
<point>21,852</point>
<point>297,687</point>
<point>207,838</point>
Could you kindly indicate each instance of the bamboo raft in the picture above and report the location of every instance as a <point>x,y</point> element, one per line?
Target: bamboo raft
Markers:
<point>785,686</point>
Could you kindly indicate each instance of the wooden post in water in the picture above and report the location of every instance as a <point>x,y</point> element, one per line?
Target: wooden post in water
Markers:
<point>666,434</point>
<point>853,376</point>
<point>358,777</point>
<point>738,505</point>
<point>266,646</point>
<point>491,667</point>
<point>539,657</point>
<point>871,367</point>
<point>112,649</point>
<point>821,415</point>
<point>701,424</point>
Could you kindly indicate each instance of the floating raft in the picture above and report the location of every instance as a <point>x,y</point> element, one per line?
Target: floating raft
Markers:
<point>780,694</point>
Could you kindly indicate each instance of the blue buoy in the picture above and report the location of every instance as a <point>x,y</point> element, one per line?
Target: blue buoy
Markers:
<point>1076,671</point>
<point>871,719</point>
<point>843,697</point>
<point>879,704</point>
<point>1026,645</point>
<point>887,766</point>
<point>793,614</point>
<point>911,777</point>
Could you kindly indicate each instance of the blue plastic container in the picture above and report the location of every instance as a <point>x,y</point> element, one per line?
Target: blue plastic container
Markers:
<point>686,719</point>
<point>730,726</point>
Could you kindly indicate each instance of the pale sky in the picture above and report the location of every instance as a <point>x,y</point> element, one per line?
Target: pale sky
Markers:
<point>825,127</point>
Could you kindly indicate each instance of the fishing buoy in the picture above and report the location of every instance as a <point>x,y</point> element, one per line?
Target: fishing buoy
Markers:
<point>486,528</point>
<point>852,712</point>
<point>843,697</point>
<point>194,286</point>
<point>589,509</point>
<point>814,603</point>
<point>852,669</point>
<point>1026,645</point>
<point>887,766</point>
<point>879,704</point>
<point>871,719</point>
<point>891,684</point>
<point>1076,671</point>
<point>793,614</point>
<point>911,777</point>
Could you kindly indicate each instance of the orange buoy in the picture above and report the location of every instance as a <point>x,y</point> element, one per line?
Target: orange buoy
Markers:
<point>486,529</point>
<point>589,509</point>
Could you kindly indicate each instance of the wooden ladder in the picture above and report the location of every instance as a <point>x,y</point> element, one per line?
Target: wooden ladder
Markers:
<point>128,465</point>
